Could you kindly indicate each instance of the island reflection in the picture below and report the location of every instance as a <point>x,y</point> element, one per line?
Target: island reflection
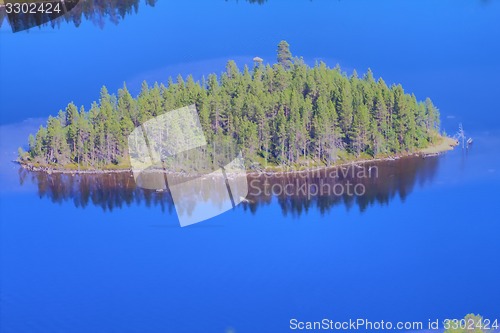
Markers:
<point>392,179</point>
<point>96,11</point>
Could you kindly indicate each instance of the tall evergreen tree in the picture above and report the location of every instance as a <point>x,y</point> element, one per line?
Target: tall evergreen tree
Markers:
<point>284,55</point>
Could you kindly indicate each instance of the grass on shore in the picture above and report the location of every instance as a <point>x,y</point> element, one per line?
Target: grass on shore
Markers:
<point>444,144</point>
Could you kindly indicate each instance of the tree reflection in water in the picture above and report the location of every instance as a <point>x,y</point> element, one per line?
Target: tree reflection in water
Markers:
<point>75,11</point>
<point>392,179</point>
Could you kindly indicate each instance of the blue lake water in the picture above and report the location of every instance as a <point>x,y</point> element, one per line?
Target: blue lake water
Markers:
<point>95,255</point>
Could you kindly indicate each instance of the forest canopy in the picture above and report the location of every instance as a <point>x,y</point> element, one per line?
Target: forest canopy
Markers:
<point>287,113</point>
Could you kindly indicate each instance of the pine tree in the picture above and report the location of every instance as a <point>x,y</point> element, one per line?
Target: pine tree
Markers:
<point>72,123</point>
<point>360,131</point>
<point>284,55</point>
<point>280,136</point>
<point>344,105</point>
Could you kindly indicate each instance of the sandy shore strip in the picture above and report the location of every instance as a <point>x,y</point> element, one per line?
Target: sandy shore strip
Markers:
<point>445,145</point>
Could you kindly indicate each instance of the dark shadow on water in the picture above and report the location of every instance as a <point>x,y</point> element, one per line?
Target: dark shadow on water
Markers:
<point>76,11</point>
<point>386,181</point>
<point>377,183</point>
<point>108,191</point>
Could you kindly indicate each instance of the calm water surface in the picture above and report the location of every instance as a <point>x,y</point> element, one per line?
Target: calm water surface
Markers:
<point>95,254</point>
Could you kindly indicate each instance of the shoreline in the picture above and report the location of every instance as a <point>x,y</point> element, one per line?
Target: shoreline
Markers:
<point>442,147</point>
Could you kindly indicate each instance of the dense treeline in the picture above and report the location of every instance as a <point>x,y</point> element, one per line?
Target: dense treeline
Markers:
<point>287,113</point>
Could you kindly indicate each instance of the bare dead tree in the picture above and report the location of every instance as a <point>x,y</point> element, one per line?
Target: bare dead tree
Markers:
<point>460,135</point>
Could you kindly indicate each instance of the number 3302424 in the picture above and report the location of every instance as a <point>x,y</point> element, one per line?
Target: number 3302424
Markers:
<point>32,8</point>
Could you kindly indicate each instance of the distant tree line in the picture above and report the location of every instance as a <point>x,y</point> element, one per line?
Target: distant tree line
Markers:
<point>286,113</point>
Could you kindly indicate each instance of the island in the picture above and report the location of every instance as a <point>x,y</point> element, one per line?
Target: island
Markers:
<point>285,114</point>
